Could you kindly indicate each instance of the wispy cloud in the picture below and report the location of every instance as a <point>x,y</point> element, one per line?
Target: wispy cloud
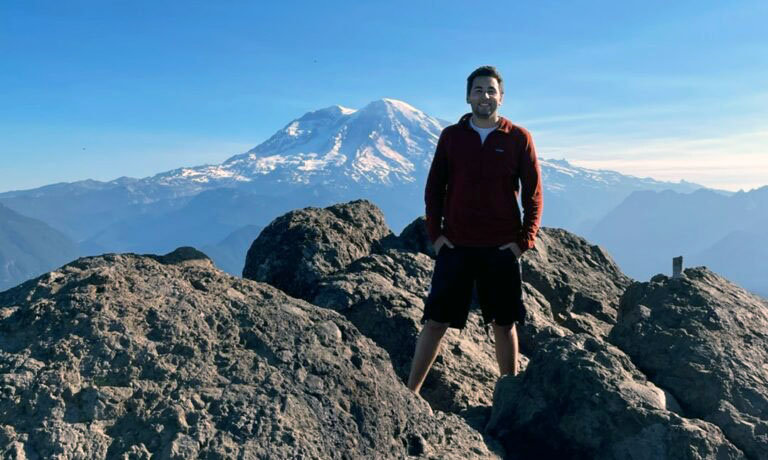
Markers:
<point>735,110</point>
<point>731,162</point>
<point>626,113</point>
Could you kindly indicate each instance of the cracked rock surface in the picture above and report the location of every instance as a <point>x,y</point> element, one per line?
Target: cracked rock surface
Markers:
<point>580,281</point>
<point>126,356</point>
<point>705,340</point>
<point>298,248</point>
<point>581,398</point>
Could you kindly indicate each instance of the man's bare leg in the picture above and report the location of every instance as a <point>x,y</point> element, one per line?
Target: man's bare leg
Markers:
<point>427,346</point>
<point>506,349</point>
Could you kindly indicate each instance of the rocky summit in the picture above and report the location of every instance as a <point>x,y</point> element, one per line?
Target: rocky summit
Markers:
<point>128,356</point>
<point>705,340</point>
<point>574,380</point>
<point>297,249</point>
<point>580,281</point>
<point>581,398</point>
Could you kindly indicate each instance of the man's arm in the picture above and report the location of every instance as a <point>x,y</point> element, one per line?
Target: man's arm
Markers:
<point>530,194</point>
<point>434,193</point>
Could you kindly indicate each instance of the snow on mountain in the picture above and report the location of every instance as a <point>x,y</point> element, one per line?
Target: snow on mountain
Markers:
<point>387,142</point>
<point>559,175</point>
<point>381,152</point>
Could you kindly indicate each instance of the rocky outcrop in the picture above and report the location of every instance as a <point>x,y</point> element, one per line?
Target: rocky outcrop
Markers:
<point>383,296</point>
<point>131,356</point>
<point>580,281</point>
<point>705,340</point>
<point>297,249</point>
<point>125,356</point>
<point>381,293</point>
<point>571,287</point>
<point>414,238</point>
<point>581,398</point>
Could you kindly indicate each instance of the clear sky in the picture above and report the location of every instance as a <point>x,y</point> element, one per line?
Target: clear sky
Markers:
<point>101,89</point>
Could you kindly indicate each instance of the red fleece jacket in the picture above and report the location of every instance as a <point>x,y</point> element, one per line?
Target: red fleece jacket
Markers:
<point>472,188</point>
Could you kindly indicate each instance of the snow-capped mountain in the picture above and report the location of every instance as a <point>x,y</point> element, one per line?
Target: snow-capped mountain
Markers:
<point>382,152</point>
<point>558,175</point>
<point>387,142</point>
<point>576,198</point>
<point>388,145</point>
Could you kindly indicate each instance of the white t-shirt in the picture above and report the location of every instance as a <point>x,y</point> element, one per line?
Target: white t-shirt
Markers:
<point>483,132</point>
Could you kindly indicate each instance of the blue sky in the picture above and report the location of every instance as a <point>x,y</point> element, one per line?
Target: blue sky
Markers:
<point>671,90</point>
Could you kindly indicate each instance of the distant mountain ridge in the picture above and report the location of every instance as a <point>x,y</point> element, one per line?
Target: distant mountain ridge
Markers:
<point>729,234</point>
<point>29,247</point>
<point>576,198</point>
<point>381,152</point>
<point>384,148</point>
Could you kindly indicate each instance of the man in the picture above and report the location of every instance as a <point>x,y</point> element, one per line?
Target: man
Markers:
<point>473,220</point>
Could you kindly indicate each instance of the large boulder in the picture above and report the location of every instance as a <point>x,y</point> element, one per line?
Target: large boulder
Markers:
<point>579,280</point>
<point>414,237</point>
<point>577,283</point>
<point>297,249</point>
<point>383,296</point>
<point>581,398</point>
<point>126,356</point>
<point>705,340</point>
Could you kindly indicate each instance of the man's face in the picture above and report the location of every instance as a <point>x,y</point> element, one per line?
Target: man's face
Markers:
<point>485,97</point>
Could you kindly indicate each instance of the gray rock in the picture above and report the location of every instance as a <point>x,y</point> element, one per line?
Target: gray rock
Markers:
<point>383,296</point>
<point>570,284</point>
<point>540,324</point>
<point>414,238</point>
<point>126,356</point>
<point>579,280</point>
<point>581,398</point>
<point>297,249</point>
<point>705,340</point>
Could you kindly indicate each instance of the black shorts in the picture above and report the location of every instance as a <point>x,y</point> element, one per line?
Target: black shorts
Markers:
<point>494,272</point>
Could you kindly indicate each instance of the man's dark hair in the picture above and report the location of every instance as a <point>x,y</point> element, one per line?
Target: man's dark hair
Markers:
<point>485,71</point>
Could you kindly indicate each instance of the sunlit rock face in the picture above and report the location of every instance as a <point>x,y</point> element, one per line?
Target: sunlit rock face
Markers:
<point>583,398</point>
<point>126,356</point>
<point>297,249</point>
<point>705,340</point>
<point>166,356</point>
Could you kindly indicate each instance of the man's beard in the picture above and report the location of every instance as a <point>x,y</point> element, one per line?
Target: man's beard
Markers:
<point>483,114</point>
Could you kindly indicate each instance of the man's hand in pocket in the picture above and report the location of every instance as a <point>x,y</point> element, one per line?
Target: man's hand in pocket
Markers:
<point>514,248</point>
<point>440,241</point>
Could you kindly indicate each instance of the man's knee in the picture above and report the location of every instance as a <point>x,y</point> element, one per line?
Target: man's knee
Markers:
<point>435,328</point>
<point>503,329</point>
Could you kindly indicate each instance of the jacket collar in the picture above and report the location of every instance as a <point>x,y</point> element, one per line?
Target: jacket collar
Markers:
<point>505,125</point>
